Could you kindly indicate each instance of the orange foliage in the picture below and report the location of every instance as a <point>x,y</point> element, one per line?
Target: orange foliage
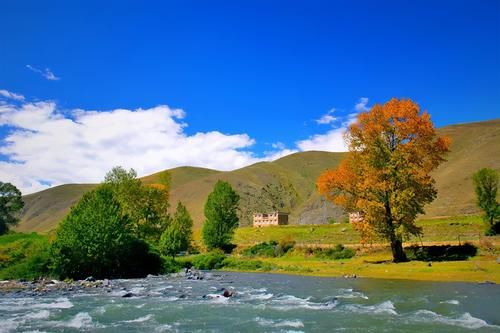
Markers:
<point>385,176</point>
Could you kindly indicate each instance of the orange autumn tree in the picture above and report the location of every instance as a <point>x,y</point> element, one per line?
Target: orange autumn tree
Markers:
<point>386,174</point>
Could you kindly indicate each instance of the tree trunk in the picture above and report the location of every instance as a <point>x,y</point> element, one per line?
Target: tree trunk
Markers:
<point>398,254</point>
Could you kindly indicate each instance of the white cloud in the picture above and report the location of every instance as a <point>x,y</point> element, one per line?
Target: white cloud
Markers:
<point>361,106</point>
<point>47,73</point>
<point>333,140</point>
<point>279,150</point>
<point>278,145</point>
<point>327,118</point>
<point>11,95</point>
<point>48,148</point>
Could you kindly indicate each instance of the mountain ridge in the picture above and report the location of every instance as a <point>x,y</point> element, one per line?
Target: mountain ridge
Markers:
<point>288,183</point>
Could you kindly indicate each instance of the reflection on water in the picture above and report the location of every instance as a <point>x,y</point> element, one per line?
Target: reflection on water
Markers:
<point>261,303</point>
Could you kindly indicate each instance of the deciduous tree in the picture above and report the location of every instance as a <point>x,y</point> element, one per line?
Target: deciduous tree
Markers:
<point>11,203</point>
<point>94,240</point>
<point>386,173</point>
<point>221,216</point>
<point>177,236</point>
<point>146,205</point>
<point>486,186</point>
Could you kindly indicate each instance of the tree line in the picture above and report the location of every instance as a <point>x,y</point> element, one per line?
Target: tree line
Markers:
<point>124,227</point>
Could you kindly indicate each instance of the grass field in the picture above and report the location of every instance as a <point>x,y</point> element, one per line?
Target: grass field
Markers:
<point>449,229</point>
<point>374,261</point>
<point>377,265</point>
<point>28,253</point>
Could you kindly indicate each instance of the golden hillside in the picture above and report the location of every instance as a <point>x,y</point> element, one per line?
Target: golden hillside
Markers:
<point>288,185</point>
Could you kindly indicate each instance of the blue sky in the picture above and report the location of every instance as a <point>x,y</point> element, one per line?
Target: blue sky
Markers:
<point>267,70</point>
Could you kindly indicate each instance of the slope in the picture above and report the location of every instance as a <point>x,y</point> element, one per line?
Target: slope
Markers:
<point>288,184</point>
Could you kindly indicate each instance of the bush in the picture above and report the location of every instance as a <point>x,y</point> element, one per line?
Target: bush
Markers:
<point>24,256</point>
<point>211,260</point>
<point>284,246</point>
<point>247,265</point>
<point>441,252</point>
<point>295,268</point>
<point>261,250</point>
<point>171,266</point>
<point>139,259</point>
<point>269,250</point>
<point>338,252</point>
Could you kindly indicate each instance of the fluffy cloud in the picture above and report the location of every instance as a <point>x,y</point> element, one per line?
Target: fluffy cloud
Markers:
<point>327,118</point>
<point>361,106</point>
<point>46,73</point>
<point>48,148</point>
<point>333,140</point>
<point>10,95</point>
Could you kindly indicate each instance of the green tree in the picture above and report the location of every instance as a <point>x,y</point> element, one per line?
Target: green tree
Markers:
<point>11,203</point>
<point>146,205</point>
<point>150,215</point>
<point>221,217</point>
<point>95,240</point>
<point>177,236</point>
<point>486,186</point>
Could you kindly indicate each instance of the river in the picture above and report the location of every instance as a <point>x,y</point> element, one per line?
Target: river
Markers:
<point>261,303</point>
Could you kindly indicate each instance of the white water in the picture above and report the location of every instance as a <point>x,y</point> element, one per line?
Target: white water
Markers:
<point>285,304</point>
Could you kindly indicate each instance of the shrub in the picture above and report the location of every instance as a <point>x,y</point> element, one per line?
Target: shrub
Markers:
<point>261,250</point>
<point>247,265</point>
<point>338,252</point>
<point>24,256</point>
<point>171,266</point>
<point>284,246</point>
<point>269,250</point>
<point>210,260</point>
<point>139,259</point>
<point>295,268</point>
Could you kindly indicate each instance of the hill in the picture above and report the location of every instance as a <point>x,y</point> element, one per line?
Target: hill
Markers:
<point>288,184</point>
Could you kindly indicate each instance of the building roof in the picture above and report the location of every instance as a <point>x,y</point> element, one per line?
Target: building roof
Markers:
<point>281,213</point>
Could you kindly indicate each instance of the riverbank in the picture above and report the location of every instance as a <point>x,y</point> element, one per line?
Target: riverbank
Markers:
<point>479,269</point>
<point>375,261</point>
<point>26,256</point>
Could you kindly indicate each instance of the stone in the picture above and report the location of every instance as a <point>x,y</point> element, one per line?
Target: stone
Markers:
<point>227,293</point>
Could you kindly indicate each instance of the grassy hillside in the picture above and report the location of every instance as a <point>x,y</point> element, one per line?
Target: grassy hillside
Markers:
<point>43,210</point>
<point>288,185</point>
<point>474,146</point>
